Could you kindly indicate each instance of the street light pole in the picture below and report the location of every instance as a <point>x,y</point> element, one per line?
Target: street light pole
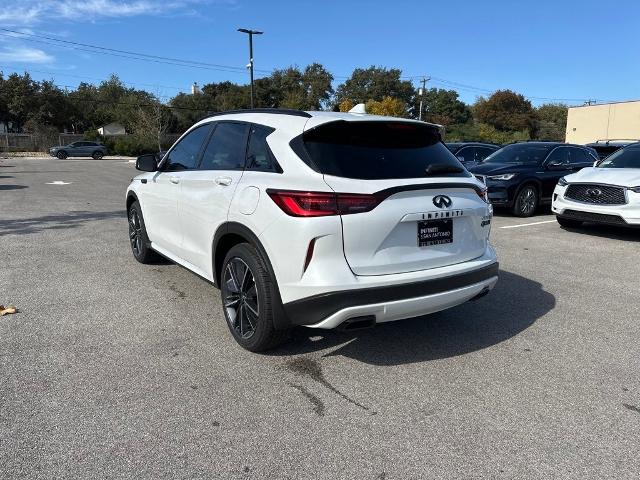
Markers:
<point>251,33</point>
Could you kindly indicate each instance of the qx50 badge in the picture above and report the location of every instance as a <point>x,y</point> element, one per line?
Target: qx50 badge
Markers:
<point>442,201</point>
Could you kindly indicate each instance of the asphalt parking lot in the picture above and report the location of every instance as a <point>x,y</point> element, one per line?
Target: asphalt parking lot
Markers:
<point>114,369</point>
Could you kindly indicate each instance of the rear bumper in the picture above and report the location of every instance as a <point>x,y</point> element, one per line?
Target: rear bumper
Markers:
<point>388,303</point>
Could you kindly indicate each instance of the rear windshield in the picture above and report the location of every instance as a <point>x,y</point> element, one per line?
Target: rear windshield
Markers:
<point>380,150</point>
<point>623,158</point>
<point>520,154</point>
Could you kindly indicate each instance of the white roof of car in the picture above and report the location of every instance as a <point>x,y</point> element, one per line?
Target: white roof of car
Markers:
<point>296,121</point>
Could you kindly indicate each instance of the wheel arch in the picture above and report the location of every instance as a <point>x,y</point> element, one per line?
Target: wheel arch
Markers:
<point>131,197</point>
<point>230,234</point>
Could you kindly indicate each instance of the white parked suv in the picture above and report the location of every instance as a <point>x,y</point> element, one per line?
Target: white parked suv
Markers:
<point>328,220</point>
<point>609,192</point>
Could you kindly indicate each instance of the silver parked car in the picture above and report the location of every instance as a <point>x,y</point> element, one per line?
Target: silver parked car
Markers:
<point>79,149</point>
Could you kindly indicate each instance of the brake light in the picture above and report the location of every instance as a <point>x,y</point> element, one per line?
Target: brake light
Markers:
<point>321,204</point>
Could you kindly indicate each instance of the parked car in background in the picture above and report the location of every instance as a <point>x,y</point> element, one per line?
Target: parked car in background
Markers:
<point>322,219</point>
<point>79,149</point>
<point>604,148</point>
<point>522,176</point>
<point>607,193</point>
<point>471,153</point>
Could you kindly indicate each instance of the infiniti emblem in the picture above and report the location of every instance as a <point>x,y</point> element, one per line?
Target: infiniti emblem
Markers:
<point>594,192</point>
<point>442,201</point>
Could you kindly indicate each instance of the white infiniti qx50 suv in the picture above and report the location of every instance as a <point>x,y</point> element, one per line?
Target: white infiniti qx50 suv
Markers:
<point>608,193</point>
<point>322,219</point>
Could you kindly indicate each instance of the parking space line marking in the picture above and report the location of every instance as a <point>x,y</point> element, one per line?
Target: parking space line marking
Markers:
<point>528,224</point>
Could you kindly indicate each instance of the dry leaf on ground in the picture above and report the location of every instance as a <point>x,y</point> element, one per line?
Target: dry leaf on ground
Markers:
<point>8,309</point>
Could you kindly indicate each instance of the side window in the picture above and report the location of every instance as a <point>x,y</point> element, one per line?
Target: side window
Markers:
<point>482,153</point>
<point>559,156</point>
<point>259,156</point>
<point>579,157</point>
<point>466,154</point>
<point>227,147</point>
<point>184,155</point>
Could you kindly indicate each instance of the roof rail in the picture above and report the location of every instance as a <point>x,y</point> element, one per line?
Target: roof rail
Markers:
<point>277,111</point>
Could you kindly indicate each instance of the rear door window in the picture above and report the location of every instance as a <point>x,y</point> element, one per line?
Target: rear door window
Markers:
<point>227,147</point>
<point>483,152</point>
<point>559,156</point>
<point>379,150</point>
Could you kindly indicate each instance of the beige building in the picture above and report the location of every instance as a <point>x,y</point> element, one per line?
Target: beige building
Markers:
<point>607,121</point>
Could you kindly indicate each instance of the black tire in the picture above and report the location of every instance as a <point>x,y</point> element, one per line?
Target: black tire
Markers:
<point>568,222</point>
<point>61,155</point>
<point>138,236</point>
<point>526,202</point>
<point>97,155</point>
<point>248,298</point>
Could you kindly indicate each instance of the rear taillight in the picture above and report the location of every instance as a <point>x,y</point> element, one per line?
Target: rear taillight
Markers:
<point>321,204</point>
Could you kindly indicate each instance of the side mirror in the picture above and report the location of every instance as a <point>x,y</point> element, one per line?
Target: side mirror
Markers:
<point>147,163</point>
<point>595,164</point>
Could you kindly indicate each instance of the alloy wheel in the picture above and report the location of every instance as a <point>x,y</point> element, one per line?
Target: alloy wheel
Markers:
<point>527,201</point>
<point>240,297</point>
<point>135,232</point>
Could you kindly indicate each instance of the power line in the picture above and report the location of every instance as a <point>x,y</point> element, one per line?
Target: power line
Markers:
<point>124,54</point>
<point>48,72</point>
<point>86,47</point>
<point>114,50</point>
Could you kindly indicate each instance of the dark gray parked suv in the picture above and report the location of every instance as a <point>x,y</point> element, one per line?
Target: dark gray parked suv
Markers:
<point>79,149</point>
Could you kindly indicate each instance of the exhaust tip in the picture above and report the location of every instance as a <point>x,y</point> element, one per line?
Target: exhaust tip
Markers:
<point>357,323</point>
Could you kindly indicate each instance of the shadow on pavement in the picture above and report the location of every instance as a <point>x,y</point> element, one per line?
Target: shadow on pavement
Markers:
<point>25,226</point>
<point>12,187</point>
<point>613,232</point>
<point>514,305</point>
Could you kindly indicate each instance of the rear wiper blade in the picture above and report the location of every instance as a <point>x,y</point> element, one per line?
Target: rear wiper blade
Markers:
<point>437,168</point>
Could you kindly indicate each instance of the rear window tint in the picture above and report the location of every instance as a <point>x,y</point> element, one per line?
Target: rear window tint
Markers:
<point>378,150</point>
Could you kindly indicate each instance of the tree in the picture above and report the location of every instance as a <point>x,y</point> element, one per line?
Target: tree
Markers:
<point>345,105</point>
<point>291,88</point>
<point>153,123</point>
<point>506,111</point>
<point>552,121</point>
<point>375,83</point>
<point>388,106</point>
<point>443,107</point>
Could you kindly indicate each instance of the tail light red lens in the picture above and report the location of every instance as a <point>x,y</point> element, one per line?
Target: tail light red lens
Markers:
<point>320,204</point>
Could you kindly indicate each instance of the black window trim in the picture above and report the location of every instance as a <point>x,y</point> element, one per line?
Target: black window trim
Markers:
<point>276,164</point>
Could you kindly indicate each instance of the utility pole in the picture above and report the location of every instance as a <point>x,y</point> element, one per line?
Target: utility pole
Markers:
<point>251,33</point>
<point>421,92</point>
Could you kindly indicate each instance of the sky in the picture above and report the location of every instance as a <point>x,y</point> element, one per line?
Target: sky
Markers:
<point>550,51</point>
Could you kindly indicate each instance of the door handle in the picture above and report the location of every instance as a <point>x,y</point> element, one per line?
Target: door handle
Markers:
<point>175,180</point>
<point>224,181</point>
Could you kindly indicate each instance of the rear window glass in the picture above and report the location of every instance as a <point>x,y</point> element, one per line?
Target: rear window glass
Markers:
<point>379,150</point>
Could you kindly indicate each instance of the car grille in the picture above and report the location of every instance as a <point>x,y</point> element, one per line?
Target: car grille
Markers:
<point>596,194</point>
<point>593,217</point>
